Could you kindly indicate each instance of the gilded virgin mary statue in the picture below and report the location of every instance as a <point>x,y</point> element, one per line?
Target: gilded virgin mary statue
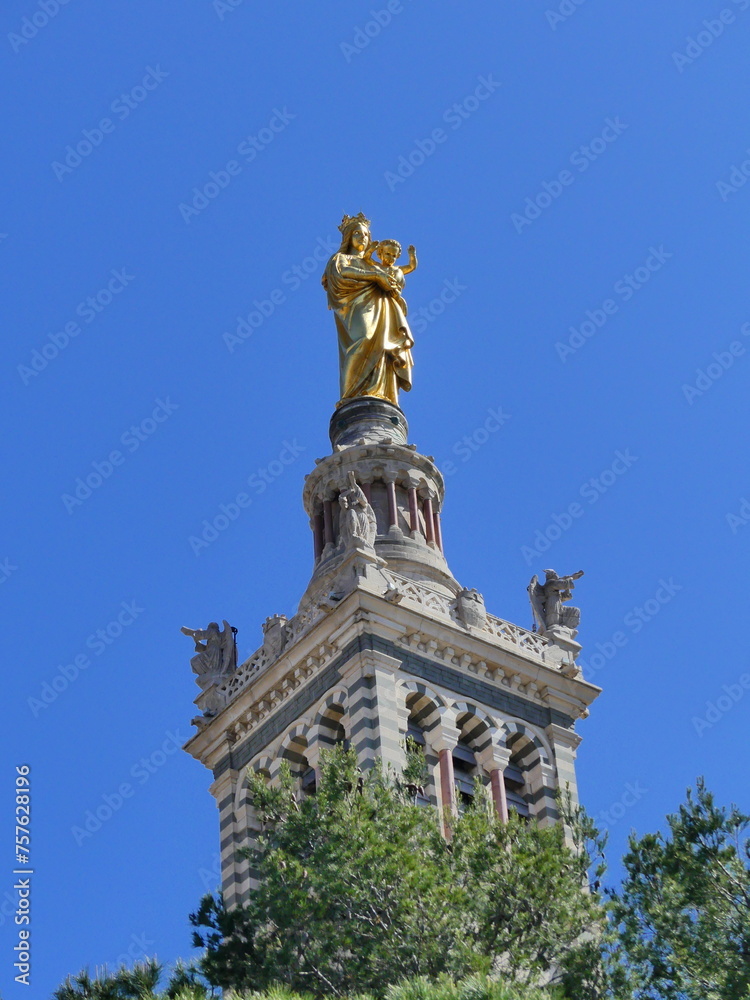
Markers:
<point>365,295</point>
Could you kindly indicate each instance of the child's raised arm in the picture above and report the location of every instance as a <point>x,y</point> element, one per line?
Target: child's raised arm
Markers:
<point>413,262</point>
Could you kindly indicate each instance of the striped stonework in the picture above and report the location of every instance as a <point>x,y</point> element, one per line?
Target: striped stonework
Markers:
<point>371,690</point>
<point>223,790</point>
<point>386,642</point>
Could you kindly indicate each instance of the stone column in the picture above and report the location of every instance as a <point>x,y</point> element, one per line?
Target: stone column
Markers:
<point>414,511</point>
<point>429,520</point>
<point>390,486</point>
<point>438,531</point>
<point>318,537</point>
<point>447,783</point>
<point>328,522</point>
<point>494,759</point>
<point>443,740</point>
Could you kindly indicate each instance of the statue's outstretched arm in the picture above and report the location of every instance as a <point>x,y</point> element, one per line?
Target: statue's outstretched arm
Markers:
<point>413,262</point>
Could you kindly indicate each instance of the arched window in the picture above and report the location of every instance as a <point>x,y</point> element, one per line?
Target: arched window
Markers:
<point>308,783</point>
<point>415,734</point>
<point>515,790</point>
<point>465,770</point>
<point>295,753</point>
<point>523,754</point>
<point>331,732</point>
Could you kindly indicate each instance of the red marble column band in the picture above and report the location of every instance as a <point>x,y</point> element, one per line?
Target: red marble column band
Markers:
<point>447,787</point>
<point>413,509</point>
<point>429,520</point>
<point>318,540</point>
<point>438,531</point>
<point>392,509</point>
<point>497,782</point>
<point>328,522</point>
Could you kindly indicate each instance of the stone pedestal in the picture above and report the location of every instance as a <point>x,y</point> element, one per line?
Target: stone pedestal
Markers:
<point>405,490</point>
<point>564,649</point>
<point>367,420</point>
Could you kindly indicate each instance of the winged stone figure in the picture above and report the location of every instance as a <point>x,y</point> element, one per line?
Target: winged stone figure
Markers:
<point>216,650</point>
<point>547,601</point>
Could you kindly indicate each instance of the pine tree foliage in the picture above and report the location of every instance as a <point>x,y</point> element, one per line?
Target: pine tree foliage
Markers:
<point>361,897</point>
<point>359,890</point>
<point>685,905</point>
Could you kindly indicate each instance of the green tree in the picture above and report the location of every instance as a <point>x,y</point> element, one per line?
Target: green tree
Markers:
<point>359,890</point>
<point>139,983</point>
<point>684,906</point>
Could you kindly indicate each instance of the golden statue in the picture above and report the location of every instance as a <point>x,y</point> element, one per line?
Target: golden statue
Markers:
<point>374,337</point>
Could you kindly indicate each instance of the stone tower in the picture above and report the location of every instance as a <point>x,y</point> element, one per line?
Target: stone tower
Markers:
<point>387,643</point>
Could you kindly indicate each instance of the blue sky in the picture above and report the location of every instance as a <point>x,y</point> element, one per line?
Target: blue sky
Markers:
<point>572,178</point>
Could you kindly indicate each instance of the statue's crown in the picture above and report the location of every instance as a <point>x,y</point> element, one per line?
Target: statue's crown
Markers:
<point>349,219</point>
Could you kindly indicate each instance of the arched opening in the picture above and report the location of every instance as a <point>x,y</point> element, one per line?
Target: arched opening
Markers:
<point>295,753</point>
<point>415,735</point>
<point>475,736</point>
<point>523,754</point>
<point>331,731</point>
<point>465,771</point>
<point>423,717</point>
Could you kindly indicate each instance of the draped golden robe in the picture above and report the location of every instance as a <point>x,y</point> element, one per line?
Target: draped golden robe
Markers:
<point>373,334</point>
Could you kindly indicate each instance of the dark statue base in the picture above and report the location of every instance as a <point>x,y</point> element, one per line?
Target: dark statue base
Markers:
<point>368,420</point>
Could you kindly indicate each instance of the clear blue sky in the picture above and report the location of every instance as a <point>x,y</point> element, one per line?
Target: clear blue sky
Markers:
<point>619,147</point>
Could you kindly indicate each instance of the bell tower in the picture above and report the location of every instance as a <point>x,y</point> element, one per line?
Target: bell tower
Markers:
<point>386,643</point>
